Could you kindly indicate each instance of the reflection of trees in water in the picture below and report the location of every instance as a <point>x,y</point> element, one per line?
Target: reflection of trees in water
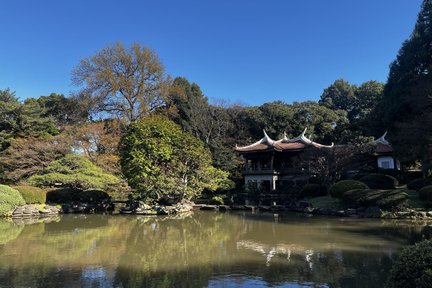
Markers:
<point>190,251</point>
<point>172,253</point>
<point>8,231</point>
<point>45,255</point>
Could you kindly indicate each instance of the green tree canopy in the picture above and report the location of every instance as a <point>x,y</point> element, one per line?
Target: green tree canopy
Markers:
<point>33,121</point>
<point>192,107</point>
<point>65,110</point>
<point>158,159</point>
<point>339,96</point>
<point>407,100</point>
<point>9,112</point>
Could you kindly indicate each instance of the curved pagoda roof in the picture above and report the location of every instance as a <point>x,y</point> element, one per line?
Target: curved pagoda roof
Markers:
<point>295,144</point>
<point>382,145</point>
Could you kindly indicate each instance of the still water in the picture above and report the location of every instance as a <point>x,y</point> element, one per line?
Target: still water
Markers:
<point>203,250</point>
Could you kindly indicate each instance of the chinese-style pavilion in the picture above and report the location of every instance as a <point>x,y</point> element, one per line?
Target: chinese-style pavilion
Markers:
<point>271,165</point>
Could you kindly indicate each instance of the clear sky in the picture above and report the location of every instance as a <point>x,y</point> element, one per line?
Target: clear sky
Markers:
<point>246,51</point>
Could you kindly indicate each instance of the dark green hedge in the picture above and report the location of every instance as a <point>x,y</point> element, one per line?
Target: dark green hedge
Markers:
<point>380,181</point>
<point>385,199</point>
<point>425,194</point>
<point>314,190</point>
<point>340,187</point>
<point>417,184</point>
<point>413,267</point>
<point>66,195</point>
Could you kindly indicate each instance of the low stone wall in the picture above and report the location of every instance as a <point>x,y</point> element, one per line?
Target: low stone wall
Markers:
<point>27,211</point>
<point>363,212</point>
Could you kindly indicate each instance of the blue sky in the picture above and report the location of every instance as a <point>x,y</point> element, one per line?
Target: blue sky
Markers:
<point>245,51</point>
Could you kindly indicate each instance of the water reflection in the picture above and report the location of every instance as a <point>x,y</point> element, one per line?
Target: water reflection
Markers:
<point>203,249</point>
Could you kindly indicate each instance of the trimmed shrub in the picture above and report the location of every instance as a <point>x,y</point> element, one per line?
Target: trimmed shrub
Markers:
<point>358,176</point>
<point>385,199</point>
<point>92,196</point>
<point>64,195</point>
<point>32,195</point>
<point>340,187</point>
<point>425,194</point>
<point>417,184</point>
<point>314,190</point>
<point>74,171</point>
<point>9,199</point>
<point>315,180</point>
<point>380,181</point>
<point>413,267</point>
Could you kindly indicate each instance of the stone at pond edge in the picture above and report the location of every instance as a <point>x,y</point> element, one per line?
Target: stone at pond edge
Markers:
<point>373,212</point>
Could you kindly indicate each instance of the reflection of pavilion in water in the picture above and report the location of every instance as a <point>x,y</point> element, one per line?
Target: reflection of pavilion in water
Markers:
<point>269,251</point>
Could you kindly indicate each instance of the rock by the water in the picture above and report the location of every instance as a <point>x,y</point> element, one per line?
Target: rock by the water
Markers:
<point>373,212</point>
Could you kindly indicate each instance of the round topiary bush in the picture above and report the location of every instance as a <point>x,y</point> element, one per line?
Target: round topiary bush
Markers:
<point>9,199</point>
<point>417,184</point>
<point>314,190</point>
<point>413,267</point>
<point>380,181</point>
<point>32,195</point>
<point>340,187</point>
<point>425,194</point>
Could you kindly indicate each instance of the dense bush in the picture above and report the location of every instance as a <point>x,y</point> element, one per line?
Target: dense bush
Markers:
<point>385,199</point>
<point>63,195</point>
<point>158,158</point>
<point>340,187</point>
<point>358,176</point>
<point>413,267</point>
<point>425,194</point>
<point>9,199</point>
<point>74,171</point>
<point>314,190</point>
<point>217,200</point>
<point>380,181</point>
<point>92,196</point>
<point>417,184</point>
<point>315,180</point>
<point>32,195</point>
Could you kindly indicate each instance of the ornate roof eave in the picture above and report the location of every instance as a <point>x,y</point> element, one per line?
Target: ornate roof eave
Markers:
<point>382,140</point>
<point>265,140</point>
<point>302,138</point>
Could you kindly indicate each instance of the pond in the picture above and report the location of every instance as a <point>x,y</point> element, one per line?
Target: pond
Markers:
<point>203,249</point>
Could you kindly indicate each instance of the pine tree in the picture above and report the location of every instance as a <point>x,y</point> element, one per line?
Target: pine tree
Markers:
<point>407,100</point>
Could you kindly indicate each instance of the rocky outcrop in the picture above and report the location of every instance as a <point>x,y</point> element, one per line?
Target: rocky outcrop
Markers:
<point>27,211</point>
<point>141,208</point>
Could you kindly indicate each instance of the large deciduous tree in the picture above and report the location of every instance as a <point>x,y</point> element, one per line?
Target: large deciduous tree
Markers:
<point>407,100</point>
<point>28,156</point>
<point>129,83</point>
<point>159,160</point>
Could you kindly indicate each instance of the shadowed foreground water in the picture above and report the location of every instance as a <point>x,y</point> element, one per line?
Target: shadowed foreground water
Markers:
<point>203,250</point>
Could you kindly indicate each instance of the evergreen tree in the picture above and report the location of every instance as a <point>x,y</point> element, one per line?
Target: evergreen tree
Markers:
<point>407,100</point>
<point>9,111</point>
